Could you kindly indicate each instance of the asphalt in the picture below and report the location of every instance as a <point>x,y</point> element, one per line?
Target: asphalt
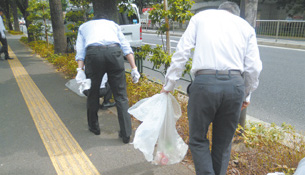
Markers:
<point>269,41</point>
<point>23,149</point>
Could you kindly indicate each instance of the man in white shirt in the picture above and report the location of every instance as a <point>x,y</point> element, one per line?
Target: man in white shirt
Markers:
<point>3,40</point>
<point>225,49</point>
<point>103,44</point>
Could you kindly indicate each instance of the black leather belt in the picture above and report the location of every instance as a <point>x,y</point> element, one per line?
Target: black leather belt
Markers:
<point>104,46</point>
<point>219,72</point>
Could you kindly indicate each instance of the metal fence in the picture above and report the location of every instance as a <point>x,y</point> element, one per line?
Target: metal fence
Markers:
<point>281,29</point>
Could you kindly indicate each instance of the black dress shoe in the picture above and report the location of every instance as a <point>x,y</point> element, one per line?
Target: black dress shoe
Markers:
<point>96,129</point>
<point>107,105</point>
<point>125,139</point>
<point>9,58</point>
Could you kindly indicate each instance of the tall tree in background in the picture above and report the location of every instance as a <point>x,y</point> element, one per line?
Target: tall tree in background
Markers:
<point>23,5</point>
<point>15,14</point>
<point>248,11</point>
<point>6,10</point>
<point>60,42</point>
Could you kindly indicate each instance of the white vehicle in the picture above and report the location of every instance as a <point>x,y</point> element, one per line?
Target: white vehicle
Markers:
<point>130,26</point>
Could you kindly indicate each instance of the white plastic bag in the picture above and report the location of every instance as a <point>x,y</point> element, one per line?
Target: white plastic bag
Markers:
<point>84,85</point>
<point>301,168</point>
<point>73,86</point>
<point>159,115</point>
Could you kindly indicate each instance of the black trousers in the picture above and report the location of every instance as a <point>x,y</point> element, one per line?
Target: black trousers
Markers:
<point>100,60</point>
<point>4,48</point>
<point>214,99</point>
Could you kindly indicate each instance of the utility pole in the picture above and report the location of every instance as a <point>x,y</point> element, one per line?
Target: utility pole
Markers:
<point>168,46</point>
<point>248,11</point>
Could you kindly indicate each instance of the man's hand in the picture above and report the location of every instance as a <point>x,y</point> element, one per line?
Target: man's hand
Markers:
<point>80,76</point>
<point>135,75</point>
<point>245,104</point>
<point>164,91</point>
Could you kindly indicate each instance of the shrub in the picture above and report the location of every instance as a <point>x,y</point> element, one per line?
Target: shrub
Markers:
<point>13,32</point>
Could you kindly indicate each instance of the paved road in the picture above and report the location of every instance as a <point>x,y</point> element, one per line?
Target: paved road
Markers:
<point>43,126</point>
<point>280,96</point>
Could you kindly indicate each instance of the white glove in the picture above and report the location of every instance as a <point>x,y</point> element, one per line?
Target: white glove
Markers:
<point>80,76</point>
<point>135,75</point>
<point>85,85</point>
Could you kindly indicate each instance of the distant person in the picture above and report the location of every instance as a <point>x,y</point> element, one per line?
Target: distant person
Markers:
<point>105,91</point>
<point>104,46</point>
<point>3,40</point>
<point>226,65</point>
<point>288,24</point>
<point>289,17</point>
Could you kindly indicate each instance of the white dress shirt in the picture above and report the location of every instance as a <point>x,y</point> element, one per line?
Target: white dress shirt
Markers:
<point>100,32</point>
<point>2,28</point>
<point>222,41</point>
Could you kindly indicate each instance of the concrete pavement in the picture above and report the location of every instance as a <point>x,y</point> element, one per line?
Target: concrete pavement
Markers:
<point>43,126</point>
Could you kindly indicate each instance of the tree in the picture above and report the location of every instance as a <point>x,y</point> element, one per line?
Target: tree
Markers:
<point>60,42</point>
<point>23,5</point>
<point>178,10</point>
<point>39,11</point>
<point>248,11</point>
<point>15,14</point>
<point>174,10</point>
<point>5,4</point>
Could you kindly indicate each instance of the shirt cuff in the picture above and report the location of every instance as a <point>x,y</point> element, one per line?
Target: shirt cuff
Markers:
<point>79,59</point>
<point>247,99</point>
<point>127,53</point>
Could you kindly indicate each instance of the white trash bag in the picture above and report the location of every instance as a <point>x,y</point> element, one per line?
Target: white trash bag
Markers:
<point>159,115</point>
<point>78,88</point>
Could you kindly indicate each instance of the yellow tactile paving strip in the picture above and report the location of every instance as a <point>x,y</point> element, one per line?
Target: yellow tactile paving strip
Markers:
<point>64,151</point>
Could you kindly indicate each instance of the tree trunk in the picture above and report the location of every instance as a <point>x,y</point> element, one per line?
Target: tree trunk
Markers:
<point>15,14</point>
<point>45,28</point>
<point>23,5</point>
<point>248,11</point>
<point>106,7</point>
<point>8,15</point>
<point>60,40</point>
<point>168,44</point>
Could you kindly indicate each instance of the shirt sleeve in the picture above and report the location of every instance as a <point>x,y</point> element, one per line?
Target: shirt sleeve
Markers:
<point>252,66</point>
<point>181,56</point>
<point>125,46</point>
<point>2,28</point>
<point>80,47</point>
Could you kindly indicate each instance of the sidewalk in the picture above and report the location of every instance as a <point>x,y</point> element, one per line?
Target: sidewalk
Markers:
<point>43,126</point>
<point>296,44</point>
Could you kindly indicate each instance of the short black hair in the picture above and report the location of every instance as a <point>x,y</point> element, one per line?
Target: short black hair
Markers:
<point>1,9</point>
